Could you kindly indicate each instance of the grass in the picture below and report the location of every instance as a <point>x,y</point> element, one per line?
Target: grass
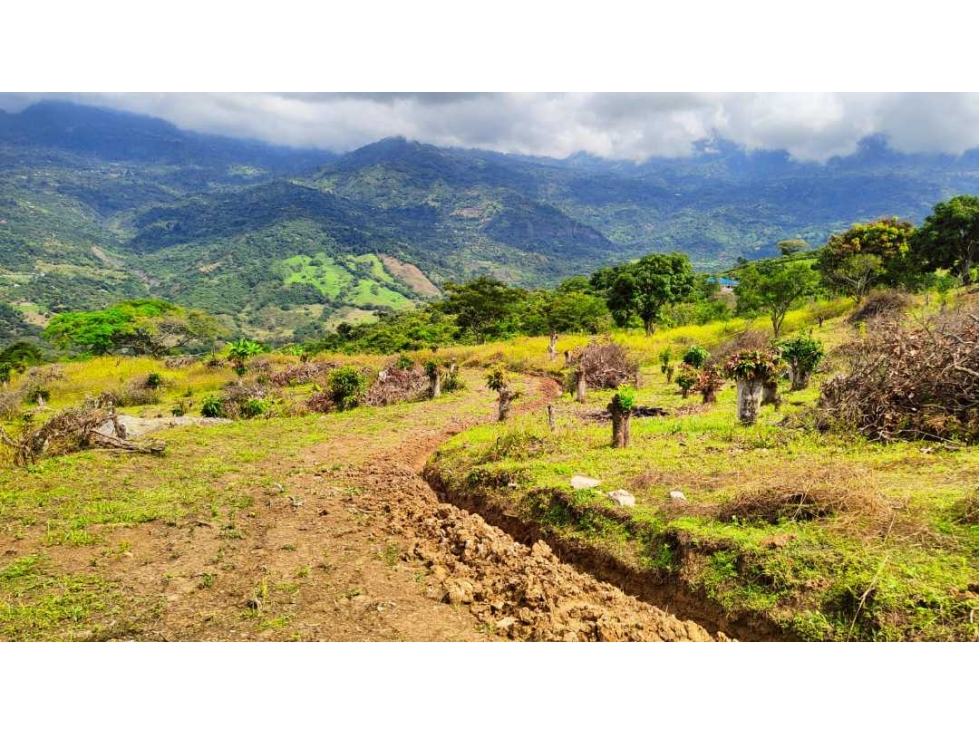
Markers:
<point>825,536</point>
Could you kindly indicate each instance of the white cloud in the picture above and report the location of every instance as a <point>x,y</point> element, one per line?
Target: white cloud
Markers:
<point>629,126</point>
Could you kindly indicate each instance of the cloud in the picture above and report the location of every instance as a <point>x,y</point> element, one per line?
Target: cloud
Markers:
<point>812,127</point>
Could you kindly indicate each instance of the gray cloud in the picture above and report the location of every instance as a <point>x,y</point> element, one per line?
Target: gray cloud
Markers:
<point>627,126</point>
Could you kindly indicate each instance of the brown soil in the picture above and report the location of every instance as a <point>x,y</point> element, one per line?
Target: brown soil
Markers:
<point>356,546</point>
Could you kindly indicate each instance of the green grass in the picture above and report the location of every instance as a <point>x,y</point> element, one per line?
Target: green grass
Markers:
<point>905,567</point>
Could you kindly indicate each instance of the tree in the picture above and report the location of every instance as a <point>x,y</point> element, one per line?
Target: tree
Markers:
<point>790,247</point>
<point>854,261</point>
<point>949,237</point>
<point>485,307</point>
<point>773,288</point>
<point>143,327</point>
<point>642,288</point>
<point>240,351</point>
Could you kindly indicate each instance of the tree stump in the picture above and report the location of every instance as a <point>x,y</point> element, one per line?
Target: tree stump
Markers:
<point>800,378</point>
<point>506,400</point>
<point>550,417</point>
<point>749,400</point>
<point>769,394</point>
<point>435,383</point>
<point>620,426</point>
<point>552,347</point>
<point>581,386</point>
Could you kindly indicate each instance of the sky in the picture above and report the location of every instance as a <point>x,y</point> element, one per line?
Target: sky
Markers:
<point>810,126</point>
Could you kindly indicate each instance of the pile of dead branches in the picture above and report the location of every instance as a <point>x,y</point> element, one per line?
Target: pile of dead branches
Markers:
<point>605,364</point>
<point>75,430</point>
<point>300,374</point>
<point>746,341</point>
<point>882,304</point>
<point>917,381</point>
<point>398,385</point>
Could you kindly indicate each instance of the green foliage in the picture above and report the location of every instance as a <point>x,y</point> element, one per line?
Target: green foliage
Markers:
<point>664,359</point>
<point>483,307</point>
<point>497,378</point>
<point>686,377</point>
<point>624,399</point>
<point>404,362</point>
<point>752,365</point>
<point>867,254</point>
<point>255,407</point>
<point>212,407</point>
<point>696,356</point>
<point>145,327</point>
<point>802,352</point>
<point>949,237</point>
<point>773,288</point>
<point>154,380</point>
<point>240,351</point>
<point>791,246</point>
<point>642,288</point>
<point>346,387</point>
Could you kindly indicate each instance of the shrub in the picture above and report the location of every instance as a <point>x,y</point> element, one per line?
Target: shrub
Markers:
<point>803,354</point>
<point>664,360</point>
<point>212,407</point>
<point>708,383</point>
<point>497,378</point>
<point>320,402</point>
<point>686,378</point>
<point>254,407</point>
<point>347,387</point>
<point>153,381</point>
<point>396,384</point>
<point>696,356</point>
<point>404,362</point>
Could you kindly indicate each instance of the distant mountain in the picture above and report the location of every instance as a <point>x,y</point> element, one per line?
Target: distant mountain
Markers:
<point>98,205</point>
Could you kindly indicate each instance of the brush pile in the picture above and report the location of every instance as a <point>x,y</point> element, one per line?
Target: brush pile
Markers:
<point>300,374</point>
<point>397,384</point>
<point>918,381</point>
<point>605,364</point>
<point>75,430</point>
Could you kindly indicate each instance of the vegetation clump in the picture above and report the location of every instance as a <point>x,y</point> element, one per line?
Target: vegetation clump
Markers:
<point>347,387</point>
<point>709,383</point>
<point>696,356</point>
<point>752,370</point>
<point>396,384</point>
<point>605,364</point>
<point>686,378</point>
<point>910,382</point>
<point>882,304</point>
<point>620,408</point>
<point>803,355</point>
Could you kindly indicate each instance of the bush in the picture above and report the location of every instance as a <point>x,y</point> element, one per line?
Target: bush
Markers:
<point>153,381</point>
<point>254,407</point>
<point>347,387</point>
<point>320,402</point>
<point>212,407</point>
<point>686,378</point>
<point>624,400</point>
<point>696,356</point>
<point>497,378</point>
<point>709,383</point>
<point>750,340</point>
<point>803,354</point>
<point>910,382</point>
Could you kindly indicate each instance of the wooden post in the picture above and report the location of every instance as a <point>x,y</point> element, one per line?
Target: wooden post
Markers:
<point>435,383</point>
<point>620,426</point>
<point>550,417</point>
<point>581,387</point>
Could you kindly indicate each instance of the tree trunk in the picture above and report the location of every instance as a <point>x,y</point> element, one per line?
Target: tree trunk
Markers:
<point>567,357</point>
<point>581,387</point>
<point>669,374</point>
<point>550,417</point>
<point>769,394</point>
<point>800,378</point>
<point>620,429</point>
<point>710,396</point>
<point>552,347</point>
<point>435,384</point>
<point>683,391</point>
<point>749,401</point>
<point>506,398</point>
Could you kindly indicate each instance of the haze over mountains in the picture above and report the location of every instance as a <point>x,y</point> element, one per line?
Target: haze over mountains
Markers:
<point>98,205</point>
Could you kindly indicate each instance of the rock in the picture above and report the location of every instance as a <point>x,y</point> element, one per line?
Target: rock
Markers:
<point>622,498</point>
<point>581,482</point>
<point>459,592</point>
<point>678,496</point>
<point>506,623</point>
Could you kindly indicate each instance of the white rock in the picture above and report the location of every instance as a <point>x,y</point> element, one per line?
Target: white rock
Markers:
<point>622,498</point>
<point>678,496</point>
<point>580,482</point>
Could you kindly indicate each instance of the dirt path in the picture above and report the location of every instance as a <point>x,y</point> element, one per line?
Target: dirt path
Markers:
<point>354,545</point>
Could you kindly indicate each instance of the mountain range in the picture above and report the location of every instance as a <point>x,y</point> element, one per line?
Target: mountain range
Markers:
<point>98,205</point>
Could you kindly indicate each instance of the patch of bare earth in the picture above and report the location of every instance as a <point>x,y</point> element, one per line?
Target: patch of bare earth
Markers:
<point>354,545</point>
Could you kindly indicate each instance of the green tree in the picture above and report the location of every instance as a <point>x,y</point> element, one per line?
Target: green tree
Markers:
<point>149,326</point>
<point>949,237</point>
<point>485,307</point>
<point>642,288</point>
<point>792,246</point>
<point>773,288</point>
<point>855,260</point>
<point>240,351</point>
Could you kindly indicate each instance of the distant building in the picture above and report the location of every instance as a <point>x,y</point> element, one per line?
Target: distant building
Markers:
<point>727,285</point>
